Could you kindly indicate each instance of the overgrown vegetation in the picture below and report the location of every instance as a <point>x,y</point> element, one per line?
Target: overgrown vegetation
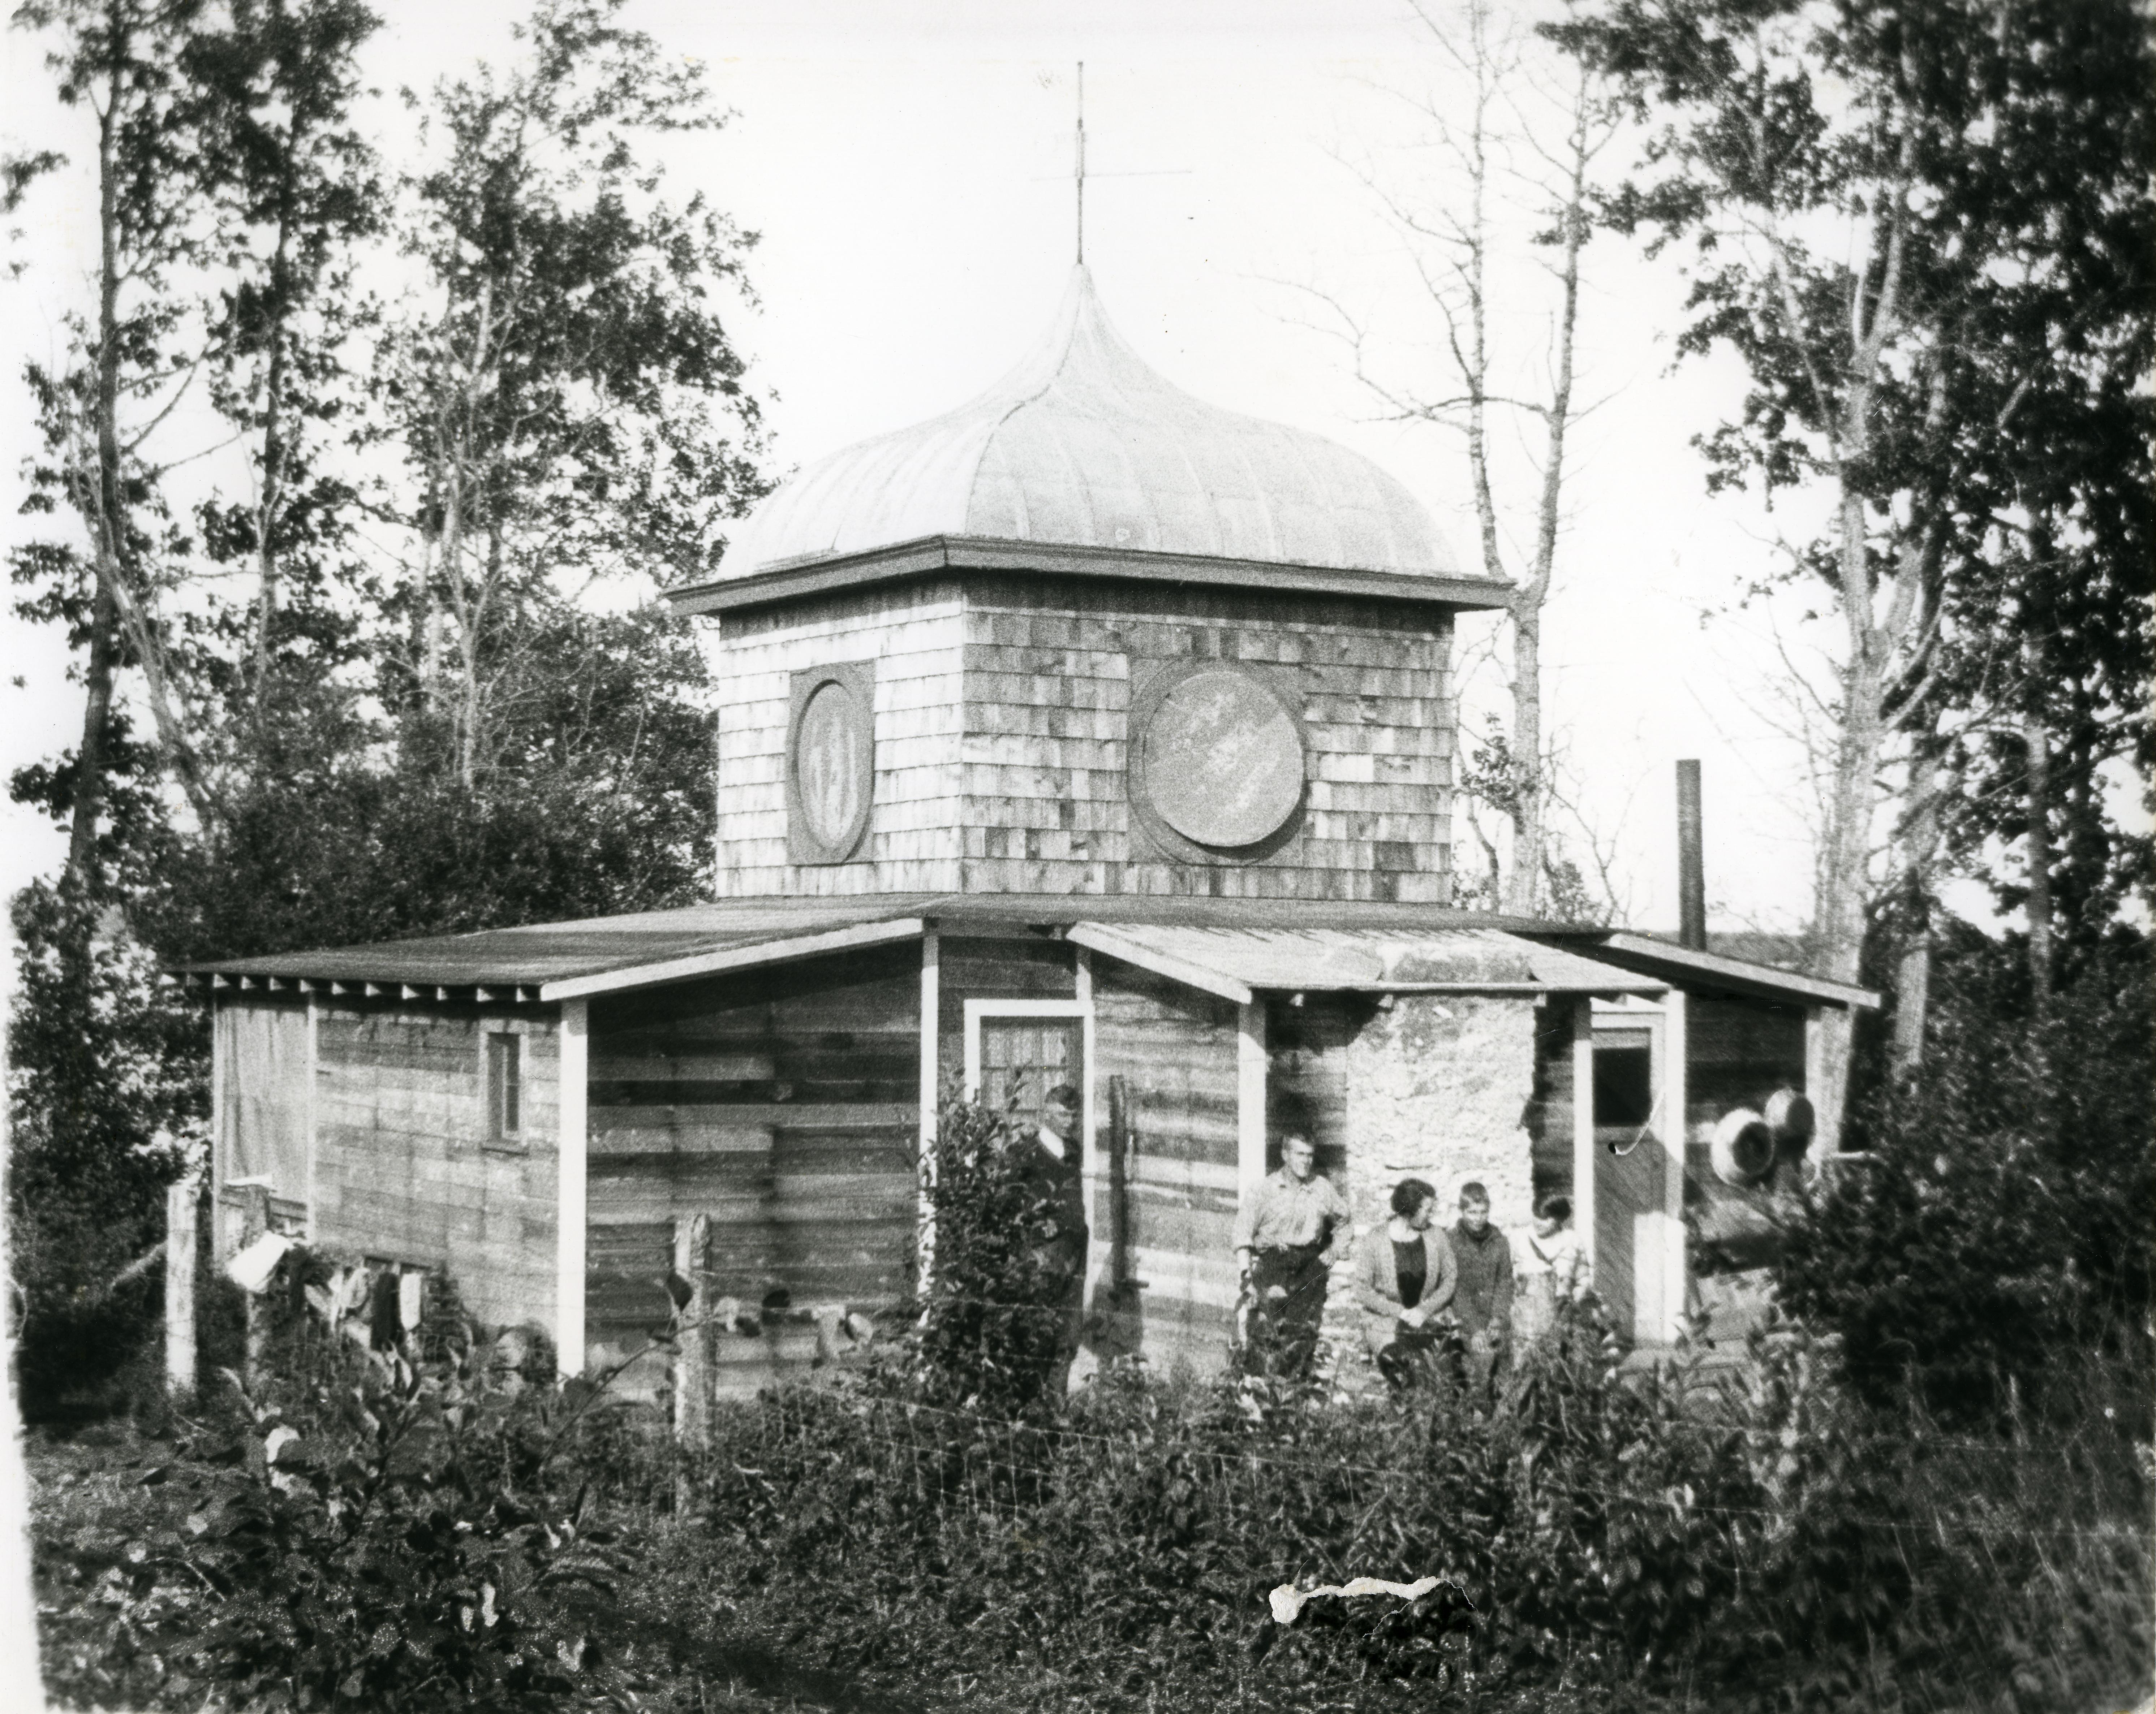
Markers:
<point>928,1528</point>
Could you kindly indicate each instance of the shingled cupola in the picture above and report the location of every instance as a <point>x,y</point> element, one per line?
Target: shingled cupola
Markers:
<point>1088,635</point>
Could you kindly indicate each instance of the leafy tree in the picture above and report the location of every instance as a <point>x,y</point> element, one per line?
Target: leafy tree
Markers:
<point>119,63</point>
<point>1874,200</point>
<point>1996,1247</point>
<point>601,803</point>
<point>338,747</point>
<point>301,190</point>
<point>995,1299</point>
<point>565,395</point>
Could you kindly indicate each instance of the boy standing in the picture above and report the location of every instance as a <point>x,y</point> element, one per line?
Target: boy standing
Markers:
<point>1484,1300</point>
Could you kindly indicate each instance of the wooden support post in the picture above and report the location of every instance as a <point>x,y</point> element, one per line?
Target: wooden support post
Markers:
<point>1826,1135</point>
<point>256,1223</point>
<point>571,1189</point>
<point>1666,1254</point>
<point>1586,1207</point>
<point>692,1362</point>
<point>932,1021</point>
<point>308,1226</point>
<point>1250,1098</point>
<point>182,1203</point>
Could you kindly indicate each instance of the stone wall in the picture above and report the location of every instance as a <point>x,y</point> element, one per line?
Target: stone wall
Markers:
<point>1439,1088</point>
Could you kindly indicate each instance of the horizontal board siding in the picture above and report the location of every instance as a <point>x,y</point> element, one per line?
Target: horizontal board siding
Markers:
<point>1738,1052</point>
<point>1176,1050</point>
<point>403,1169</point>
<point>1306,1081</point>
<point>789,1118</point>
<point>977,968</point>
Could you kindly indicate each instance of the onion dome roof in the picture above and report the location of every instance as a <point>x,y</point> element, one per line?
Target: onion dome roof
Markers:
<point>1084,445</point>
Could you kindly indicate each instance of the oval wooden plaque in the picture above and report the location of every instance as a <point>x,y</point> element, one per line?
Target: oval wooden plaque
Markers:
<point>830,765</point>
<point>1224,760</point>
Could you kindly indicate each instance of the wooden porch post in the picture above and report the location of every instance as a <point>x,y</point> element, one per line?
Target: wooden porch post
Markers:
<point>1672,1273</point>
<point>571,1189</point>
<point>932,1021</point>
<point>183,1203</point>
<point>1250,1098</point>
<point>1586,1211</point>
<point>1826,1138</point>
<point>692,1366</point>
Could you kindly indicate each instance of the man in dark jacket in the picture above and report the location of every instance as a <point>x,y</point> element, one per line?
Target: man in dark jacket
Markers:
<point>1484,1300</point>
<point>1051,1164</point>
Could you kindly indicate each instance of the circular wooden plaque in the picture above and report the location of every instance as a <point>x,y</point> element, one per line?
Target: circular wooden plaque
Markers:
<point>1224,760</point>
<point>833,773</point>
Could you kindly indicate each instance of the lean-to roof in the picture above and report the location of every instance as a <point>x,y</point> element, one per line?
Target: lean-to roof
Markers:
<point>1258,944</point>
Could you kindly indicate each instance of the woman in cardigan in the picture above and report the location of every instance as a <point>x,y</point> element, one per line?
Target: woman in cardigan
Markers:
<point>1404,1277</point>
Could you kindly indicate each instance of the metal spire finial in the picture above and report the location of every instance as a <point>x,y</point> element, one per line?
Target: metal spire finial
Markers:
<point>1082,163</point>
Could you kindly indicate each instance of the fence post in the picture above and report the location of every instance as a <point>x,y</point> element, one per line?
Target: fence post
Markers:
<point>692,1362</point>
<point>257,1302</point>
<point>183,1200</point>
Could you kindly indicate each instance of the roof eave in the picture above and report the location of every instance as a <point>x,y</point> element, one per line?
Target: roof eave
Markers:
<point>1687,966</point>
<point>830,574</point>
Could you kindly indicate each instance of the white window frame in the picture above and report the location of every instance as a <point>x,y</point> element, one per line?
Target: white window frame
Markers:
<point>1081,1009</point>
<point>515,1029</point>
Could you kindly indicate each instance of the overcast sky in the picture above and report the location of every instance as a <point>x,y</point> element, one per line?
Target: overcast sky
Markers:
<point>907,165</point>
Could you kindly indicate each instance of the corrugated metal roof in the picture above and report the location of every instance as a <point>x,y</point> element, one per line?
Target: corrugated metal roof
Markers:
<point>1367,960</point>
<point>1083,445</point>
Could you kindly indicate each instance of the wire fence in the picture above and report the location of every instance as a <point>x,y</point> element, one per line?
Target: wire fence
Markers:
<point>939,1457</point>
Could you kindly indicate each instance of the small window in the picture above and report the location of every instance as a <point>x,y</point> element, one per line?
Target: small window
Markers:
<point>505,1087</point>
<point>1623,1085</point>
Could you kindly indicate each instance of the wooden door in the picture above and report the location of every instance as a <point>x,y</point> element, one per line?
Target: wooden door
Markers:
<point>1629,1170</point>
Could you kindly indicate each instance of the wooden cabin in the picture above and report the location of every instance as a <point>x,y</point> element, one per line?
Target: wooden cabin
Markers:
<point>1088,734</point>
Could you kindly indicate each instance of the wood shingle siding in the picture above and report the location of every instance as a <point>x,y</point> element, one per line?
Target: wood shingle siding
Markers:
<point>1003,737</point>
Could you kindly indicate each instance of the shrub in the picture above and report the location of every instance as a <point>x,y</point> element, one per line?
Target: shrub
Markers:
<point>2000,1233</point>
<point>995,1321</point>
<point>365,1534</point>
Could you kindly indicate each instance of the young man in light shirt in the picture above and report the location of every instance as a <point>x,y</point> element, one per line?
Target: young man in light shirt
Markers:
<point>1287,1235</point>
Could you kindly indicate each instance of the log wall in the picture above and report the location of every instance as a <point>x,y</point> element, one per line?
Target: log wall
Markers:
<point>784,1104</point>
<point>404,1169</point>
<point>1175,1049</point>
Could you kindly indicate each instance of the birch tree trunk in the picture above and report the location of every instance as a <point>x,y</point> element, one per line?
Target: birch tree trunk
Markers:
<point>1912,983</point>
<point>2037,743</point>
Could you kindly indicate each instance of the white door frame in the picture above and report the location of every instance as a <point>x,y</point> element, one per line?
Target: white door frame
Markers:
<point>1080,1009</point>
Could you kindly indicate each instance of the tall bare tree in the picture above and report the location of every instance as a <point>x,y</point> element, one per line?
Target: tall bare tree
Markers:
<point>1892,214</point>
<point>1523,142</point>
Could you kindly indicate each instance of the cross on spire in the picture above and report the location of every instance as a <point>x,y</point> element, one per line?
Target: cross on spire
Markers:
<point>1078,174</point>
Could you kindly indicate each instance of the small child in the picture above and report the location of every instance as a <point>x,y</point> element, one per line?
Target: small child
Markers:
<point>1552,1265</point>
